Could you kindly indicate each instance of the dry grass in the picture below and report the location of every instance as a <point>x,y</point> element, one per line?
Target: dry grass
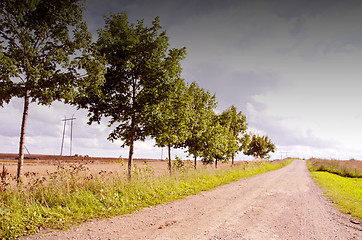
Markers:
<point>350,168</point>
<point>72,194</point>
<point>41,165</point>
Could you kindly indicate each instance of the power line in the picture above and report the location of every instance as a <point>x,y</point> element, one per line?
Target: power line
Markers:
<point>281,154</point>
<point>27,150</point>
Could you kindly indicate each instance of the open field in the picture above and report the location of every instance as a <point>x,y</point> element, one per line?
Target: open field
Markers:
<point>73,194</point>
<point>42,165</point>
<point>281,204</point>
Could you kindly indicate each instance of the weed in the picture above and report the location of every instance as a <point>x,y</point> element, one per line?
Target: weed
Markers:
<point>180,165</point>
<point>4,179</point>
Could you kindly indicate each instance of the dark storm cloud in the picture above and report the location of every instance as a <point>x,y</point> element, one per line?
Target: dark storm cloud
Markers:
<point>240,13</point>
<point>243,49</point>
<point>310,8</point>
<point>326,26</point>
<point>233,87</point>
<point>299,55</point>
<point>170,12</point>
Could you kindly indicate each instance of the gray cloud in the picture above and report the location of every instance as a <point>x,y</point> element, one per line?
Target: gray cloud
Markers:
<point>232,86</point>
<point>286,137</point>
<point>302,56</point>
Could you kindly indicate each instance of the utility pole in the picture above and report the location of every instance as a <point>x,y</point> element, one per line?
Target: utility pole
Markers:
<point>71,134</point>
<point>27,151</point>
<point>281,154</point>
<point>61,149</point>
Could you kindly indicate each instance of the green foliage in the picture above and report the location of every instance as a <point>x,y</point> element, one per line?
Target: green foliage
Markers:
<point>38,49</point>
<point>169,120</point>
<point>260,146</point>
<point>201,108</point>
<point>237,138</point>
<point>214,137</point>
<point>180,165</point>
<point>215,142</point>
<point>140,75</point>
<point>71,196</point>
<point>345,192</point>
<point>224,137</point>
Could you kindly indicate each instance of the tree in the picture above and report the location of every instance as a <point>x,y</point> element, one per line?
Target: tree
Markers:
<point>201,109</point>
<point>170,119</point>
<point>215,142</point>
<point>260,146</point>
<point>140,75</point>
<point>37,57</point>
<point>236,124</point>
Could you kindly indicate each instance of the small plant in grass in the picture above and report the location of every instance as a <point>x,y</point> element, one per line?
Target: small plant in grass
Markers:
<point>4,179</point>
<point>180,165</point>
<point>145,172</point>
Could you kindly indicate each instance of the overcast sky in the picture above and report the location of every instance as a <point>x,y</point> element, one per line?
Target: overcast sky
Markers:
<point>292,67</point>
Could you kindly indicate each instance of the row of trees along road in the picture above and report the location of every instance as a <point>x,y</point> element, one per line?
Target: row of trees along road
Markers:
<point>129,76</point>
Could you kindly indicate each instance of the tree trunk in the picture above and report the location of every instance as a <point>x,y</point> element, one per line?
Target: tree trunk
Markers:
<point>195,162</point>
<point>130,157</point>
<point>133,122</point>
<point>215,162</point>
<point>169,159</point>
<point>131,145</point>
<point>22,139</point>
<point>232,159</point>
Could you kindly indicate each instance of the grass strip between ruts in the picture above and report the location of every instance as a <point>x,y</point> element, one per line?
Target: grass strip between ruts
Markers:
<point>69,199</point>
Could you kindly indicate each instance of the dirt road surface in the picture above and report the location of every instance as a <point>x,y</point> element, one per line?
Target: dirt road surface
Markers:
<point>282,204</point>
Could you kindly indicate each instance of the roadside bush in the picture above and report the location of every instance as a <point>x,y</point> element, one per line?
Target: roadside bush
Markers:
<point>180,165</point>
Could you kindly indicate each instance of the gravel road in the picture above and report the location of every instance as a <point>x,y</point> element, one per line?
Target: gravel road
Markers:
<point>282,204</point>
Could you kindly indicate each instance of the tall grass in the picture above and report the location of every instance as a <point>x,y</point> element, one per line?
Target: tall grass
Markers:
<point>71,196</point>
<point>350,168</point>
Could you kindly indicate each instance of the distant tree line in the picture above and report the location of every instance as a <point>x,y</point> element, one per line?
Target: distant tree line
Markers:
<point>129,76</point>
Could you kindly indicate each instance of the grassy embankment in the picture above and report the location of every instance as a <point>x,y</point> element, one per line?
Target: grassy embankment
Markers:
<point>70,195</point>
<point>341,182</point>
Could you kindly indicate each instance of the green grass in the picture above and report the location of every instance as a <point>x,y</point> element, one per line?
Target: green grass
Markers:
<point>69,196</point>
<point>341,182</point>
<point>350,168</point>
<point>345,192</point>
